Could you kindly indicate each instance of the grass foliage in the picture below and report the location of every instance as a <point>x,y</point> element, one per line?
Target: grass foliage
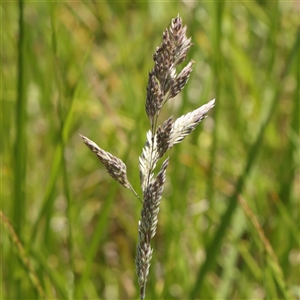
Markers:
<point>229,220</point>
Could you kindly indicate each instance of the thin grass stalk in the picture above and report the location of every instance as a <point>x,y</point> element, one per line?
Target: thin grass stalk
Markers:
<point>288,174</point>
<point>58,82</point>
<point>217,70</point>
<point>93,247</point>
<point>66,187</point>
<point>20,148</point>
<point>58,154</point>
<point>56,278</point>
<point>21,120</point>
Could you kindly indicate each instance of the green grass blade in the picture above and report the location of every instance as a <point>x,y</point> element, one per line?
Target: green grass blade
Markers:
<point>59,153</point>
<point>217,70</point>
<point>57,280</point>
<point>20,148</point>
<point>272,270</point>
<point>97,237</point>
<point>20,142</point>
<point>214,247</point>
<point>289,173</point>
<point>27,265</point>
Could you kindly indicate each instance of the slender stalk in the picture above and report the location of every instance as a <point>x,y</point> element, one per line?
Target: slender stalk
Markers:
<point>20,142</point>
<point>20,147</point>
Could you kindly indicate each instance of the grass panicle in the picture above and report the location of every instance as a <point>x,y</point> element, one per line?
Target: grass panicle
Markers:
<point>164,83</point>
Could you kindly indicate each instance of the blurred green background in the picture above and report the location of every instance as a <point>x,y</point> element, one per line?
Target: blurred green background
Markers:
<point>229,219</point>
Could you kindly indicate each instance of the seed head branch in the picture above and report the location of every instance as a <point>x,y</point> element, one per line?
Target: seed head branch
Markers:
<point>114,166</point>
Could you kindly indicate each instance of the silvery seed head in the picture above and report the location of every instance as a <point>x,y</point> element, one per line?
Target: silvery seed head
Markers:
<point>164,83</point>
<point>114,166</point>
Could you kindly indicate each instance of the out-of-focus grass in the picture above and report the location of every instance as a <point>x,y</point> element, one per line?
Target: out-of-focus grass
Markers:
<point>70,68</point>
